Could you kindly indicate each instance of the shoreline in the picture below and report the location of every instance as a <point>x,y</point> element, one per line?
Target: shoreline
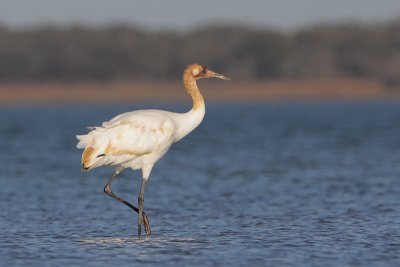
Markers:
<point>213,91</point>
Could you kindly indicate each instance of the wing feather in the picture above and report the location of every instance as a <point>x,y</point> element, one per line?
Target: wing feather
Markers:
<point>134,133</point>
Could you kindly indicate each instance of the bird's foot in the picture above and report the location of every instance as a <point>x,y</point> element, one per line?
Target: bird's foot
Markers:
<point>146,224</point>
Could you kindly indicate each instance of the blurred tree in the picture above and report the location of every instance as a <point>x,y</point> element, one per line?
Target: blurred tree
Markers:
<point>125,53</point>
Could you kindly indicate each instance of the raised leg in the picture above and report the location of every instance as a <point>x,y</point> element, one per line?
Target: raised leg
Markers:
<point>140,205</point>
<point>108,191</point>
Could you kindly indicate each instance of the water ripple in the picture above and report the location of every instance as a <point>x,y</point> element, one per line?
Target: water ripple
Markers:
<point>291,185</point>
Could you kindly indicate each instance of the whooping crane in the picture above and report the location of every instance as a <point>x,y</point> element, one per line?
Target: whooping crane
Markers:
<point>138,139</point>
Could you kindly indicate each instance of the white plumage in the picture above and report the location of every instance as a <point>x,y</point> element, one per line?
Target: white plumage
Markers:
<point>138,139</point>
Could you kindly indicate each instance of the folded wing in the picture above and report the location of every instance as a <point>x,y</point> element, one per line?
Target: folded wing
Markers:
<point>127,136</point>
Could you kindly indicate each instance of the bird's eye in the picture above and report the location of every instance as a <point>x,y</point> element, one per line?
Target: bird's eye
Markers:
<point>196,72</point>
<point>200,70</point>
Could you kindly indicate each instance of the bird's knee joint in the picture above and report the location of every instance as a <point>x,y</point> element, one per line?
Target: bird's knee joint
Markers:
<point>107,190</point>
<point>140,199</point>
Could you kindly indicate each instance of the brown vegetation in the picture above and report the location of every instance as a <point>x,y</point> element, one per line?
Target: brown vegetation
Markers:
<point>240,91</point>
<point>124,64</point>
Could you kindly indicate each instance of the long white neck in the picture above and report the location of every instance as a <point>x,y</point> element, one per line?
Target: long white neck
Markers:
<point>190,120</point>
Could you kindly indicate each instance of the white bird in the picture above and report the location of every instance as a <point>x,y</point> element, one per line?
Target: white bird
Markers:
<point>138,139</point>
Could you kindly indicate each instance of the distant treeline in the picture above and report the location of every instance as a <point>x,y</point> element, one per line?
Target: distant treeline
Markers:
<point>126,53</point>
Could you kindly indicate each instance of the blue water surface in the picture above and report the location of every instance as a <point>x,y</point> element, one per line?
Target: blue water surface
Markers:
<point>278,184</point>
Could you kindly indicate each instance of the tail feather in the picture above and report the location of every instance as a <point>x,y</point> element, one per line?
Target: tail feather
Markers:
<point>94,146</point>
<point>86,143</point>
<point>84,140</point>
<point>87,157</point>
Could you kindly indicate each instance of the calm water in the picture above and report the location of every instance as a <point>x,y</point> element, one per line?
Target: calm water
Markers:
<point>264,185</point>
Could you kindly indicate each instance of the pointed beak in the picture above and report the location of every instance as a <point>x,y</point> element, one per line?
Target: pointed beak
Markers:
<point>211,73</point>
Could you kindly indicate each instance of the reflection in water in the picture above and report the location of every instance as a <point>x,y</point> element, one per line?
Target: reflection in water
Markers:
<point>146,239</point>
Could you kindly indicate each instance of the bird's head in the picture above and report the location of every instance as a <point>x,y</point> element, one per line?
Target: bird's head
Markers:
<point>199,71</point>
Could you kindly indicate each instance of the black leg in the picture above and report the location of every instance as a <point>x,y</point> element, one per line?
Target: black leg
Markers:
<point>108,191</point>
<point>140,204</point>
